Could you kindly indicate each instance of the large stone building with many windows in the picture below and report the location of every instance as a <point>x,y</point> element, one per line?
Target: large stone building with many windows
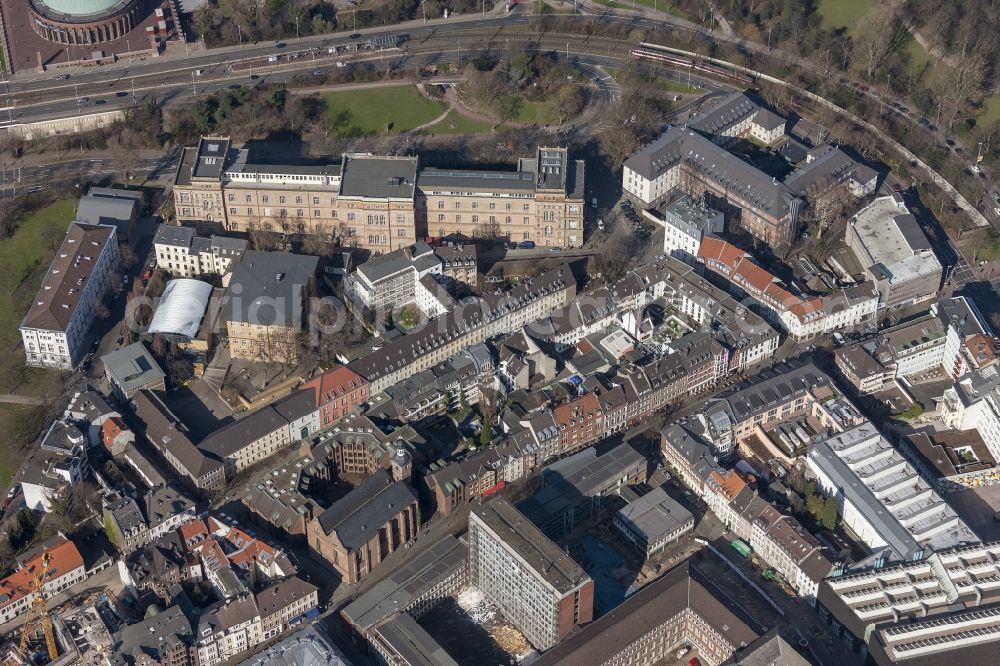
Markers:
<point>533,582</point>
<point>381,203</point>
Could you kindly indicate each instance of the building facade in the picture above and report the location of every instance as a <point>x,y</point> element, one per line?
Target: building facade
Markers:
<point>382,203</point>
<point>183,254</point>
<point>54,332</point>
<point>536,586</point>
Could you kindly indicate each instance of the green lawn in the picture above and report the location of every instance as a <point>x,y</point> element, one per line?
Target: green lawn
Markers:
<point>455,123</point>
<point>990,112</point>
<point>9,462</point>
<point>371,111</point>
<point>540,113</point>
<point>843,13</point>
<point>25,256</point>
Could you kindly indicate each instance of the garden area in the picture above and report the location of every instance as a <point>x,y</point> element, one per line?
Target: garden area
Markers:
<point>382,110</point>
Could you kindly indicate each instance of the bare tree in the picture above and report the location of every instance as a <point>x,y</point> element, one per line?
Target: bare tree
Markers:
<point>123,142</point>
<point>882,32</point>
<point>265,241</point>
<point>828,201</point>
<point>316,244</point>
<point>957,83</point>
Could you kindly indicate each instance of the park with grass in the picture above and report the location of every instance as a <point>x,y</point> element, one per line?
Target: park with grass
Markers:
<point>381,110</point>
<point>25,257</point>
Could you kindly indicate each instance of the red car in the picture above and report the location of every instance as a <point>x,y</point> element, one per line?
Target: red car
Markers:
<point>694,661</point>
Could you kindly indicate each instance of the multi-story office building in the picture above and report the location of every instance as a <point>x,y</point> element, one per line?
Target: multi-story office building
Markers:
<point>390,280</point>
<point>954,337</point>
<point>766,208</point>
<point>183,254</point>
<point>683,607</point>
<point>894,252</point>
<point>738,116</point>
<point>748,197</point>
<point>382,203</point>
<point>55,329</point>
<point>248,440</point>
<point>881,497</point>
<point>653,522</point>
<point>414,588</point>
<point>685,223</point>
<point>534,583</point>
<point>337,392</point>
<point>912,612</point>
<point>266,304</point>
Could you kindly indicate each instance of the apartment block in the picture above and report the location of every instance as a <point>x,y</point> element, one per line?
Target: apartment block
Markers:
<point>54,331</point>
<point>183,254</point>
<point>470,323</point>
<point>802,317</point>
<point>534,583</point>
<point>65,570</point>
<point>168,435</point>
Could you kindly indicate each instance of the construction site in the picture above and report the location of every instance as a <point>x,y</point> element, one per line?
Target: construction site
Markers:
<point>44,638</point>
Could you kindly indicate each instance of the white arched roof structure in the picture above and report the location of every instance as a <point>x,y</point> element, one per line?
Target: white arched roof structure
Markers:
<point>181,309</point>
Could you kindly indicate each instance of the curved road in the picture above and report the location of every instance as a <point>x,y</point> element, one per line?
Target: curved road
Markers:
<point>47,96</point>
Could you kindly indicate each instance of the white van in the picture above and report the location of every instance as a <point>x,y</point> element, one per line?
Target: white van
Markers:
<point>272,58</point>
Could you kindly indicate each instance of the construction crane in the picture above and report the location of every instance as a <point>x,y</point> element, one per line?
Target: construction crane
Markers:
<point>37,611</point>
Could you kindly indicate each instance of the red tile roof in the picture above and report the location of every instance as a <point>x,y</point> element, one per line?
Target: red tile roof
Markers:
<point>194,531</point>
<point>63,558</point>
<point>111,429</point>
<point>335,383</point>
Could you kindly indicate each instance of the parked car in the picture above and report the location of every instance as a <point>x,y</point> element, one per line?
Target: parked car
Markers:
<point>526,245</point>
<point>923,122</point>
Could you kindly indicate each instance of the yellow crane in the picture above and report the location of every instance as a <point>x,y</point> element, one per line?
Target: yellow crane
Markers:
<point>37,611</point>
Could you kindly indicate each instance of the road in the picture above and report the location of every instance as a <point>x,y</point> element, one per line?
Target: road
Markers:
<point>16,179</point>
<point>31,97</point>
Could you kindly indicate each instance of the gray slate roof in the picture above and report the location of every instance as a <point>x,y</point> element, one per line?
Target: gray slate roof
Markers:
<point>132,367</point>
<point>654,514</point>
<point>357,517</point>
<point>268,287</point>
<point>379,177</point>
<point>230,438</point>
